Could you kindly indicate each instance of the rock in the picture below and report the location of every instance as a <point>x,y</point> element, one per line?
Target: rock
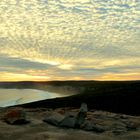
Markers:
<point>90,126</point>
<point>73,121</point>
<point>68,121</point>
<point>98,128</point>
<point>84,108</point>
<point>118,128</point>
<point>123,116</point>
<point>118,131</point>
<point>133,125</point>
<point>80,118</point>
<point>15,116</point>
<point>55,118</point>
<point>61,111</point>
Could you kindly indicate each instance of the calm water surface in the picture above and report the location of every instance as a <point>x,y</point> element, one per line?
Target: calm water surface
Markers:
<point>9,97</point>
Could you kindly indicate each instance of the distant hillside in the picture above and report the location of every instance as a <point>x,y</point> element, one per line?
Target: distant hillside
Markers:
<point>121,97</point>
<point>91,85</point>
<point>70,87</point>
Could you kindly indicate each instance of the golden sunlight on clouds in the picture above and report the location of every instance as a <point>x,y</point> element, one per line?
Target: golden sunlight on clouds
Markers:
<point>119,77</point>
<point>23,77</point>
<point>69,39</point>
<point>65,66</point>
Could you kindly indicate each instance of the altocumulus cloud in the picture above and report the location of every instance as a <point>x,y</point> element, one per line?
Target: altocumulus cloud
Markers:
<point>69,39</point>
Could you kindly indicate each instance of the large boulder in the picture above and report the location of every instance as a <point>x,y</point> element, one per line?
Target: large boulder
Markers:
<point>54,119</point>
<point>15,116</point>
<point>75,121</point>
<point>71,120</point>
<point>68,121</point>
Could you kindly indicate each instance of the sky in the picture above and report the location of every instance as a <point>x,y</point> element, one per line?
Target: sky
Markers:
<point>43,40</point>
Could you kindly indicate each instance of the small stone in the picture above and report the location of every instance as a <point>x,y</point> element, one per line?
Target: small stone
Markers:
<point>83,108</point>
<point>118,132</point>
<point>124,117</point>
<point>133,125</point>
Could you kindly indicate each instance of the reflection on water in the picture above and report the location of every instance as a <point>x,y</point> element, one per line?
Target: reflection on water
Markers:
<point>9,97</point>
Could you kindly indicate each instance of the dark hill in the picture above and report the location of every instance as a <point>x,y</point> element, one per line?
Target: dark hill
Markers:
<point>120,97</point>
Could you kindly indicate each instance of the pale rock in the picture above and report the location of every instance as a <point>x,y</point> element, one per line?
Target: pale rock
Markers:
<point>55,118</point>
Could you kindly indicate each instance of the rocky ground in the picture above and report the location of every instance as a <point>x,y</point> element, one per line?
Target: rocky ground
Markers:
<point>46,124</point>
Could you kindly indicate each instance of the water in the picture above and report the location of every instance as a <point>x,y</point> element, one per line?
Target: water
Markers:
<point>10,97</point>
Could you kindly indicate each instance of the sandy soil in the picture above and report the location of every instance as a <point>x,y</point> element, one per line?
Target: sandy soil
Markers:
<point>115,125</point>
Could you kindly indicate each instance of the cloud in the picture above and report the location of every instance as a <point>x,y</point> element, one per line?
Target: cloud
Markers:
<point>61,36</point>
<point>23,64</point>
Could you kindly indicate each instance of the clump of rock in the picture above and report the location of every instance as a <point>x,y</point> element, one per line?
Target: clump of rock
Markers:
<point>15,116</point>
<point>54,119</point>
<point>74,120</point>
